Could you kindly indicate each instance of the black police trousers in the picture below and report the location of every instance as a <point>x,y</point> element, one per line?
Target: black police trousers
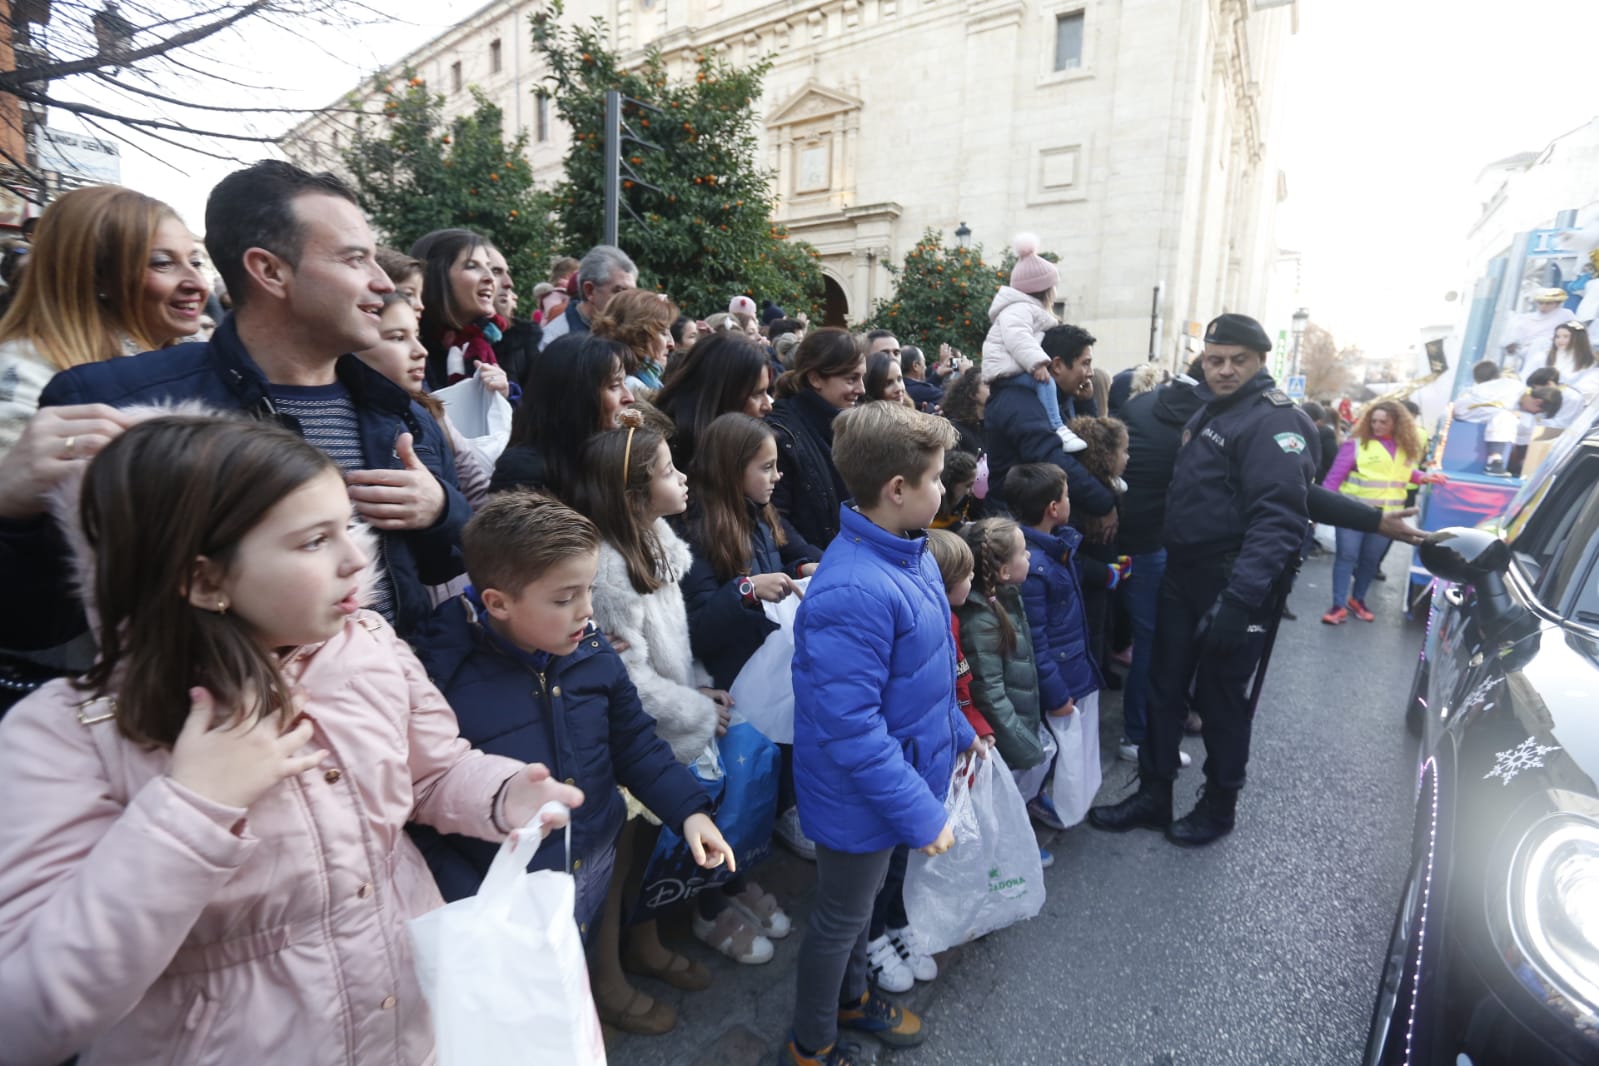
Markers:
<point>1220,683</point>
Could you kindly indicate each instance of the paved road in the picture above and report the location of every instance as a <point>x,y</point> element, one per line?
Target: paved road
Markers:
<point>1263,949</point>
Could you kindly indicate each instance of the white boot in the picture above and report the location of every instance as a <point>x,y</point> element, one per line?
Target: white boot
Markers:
<point>1070,441</point>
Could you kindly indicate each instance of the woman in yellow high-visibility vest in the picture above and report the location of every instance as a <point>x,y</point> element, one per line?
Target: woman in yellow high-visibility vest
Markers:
<point>1377,464</point>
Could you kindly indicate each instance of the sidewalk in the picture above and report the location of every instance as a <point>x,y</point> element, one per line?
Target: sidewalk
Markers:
<point>743,1018</point>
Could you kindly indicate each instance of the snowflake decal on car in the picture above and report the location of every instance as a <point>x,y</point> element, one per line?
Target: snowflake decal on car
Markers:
<point>1527,755</point>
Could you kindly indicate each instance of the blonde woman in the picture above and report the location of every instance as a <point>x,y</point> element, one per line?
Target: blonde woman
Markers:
<point>111,272</point>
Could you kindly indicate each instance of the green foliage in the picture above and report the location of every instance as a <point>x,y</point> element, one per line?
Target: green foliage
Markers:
<point>413,174</point>
<point>707,234</point>
<point>941,295</point>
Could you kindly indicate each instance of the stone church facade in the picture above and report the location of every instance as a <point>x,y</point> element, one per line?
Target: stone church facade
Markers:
<point>1134,136</point>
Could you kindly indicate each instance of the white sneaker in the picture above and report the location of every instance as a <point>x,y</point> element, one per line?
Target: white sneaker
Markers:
<point>1129,752</point>
<point>909,945</point>
<point>734,936</point>
<point>885,969</point>
<point>761,908</point>
<point>792,834</point>
<point>1070,441</point>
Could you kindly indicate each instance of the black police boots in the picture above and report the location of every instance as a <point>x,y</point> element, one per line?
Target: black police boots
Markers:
<point>1148,808</point>
<point>1209,821</point>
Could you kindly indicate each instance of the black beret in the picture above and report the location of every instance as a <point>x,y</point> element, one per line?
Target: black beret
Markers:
<point>1237,329</point>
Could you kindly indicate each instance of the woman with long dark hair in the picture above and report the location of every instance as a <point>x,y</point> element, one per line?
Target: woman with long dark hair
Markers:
<point>1571,353</point>
<point>885,380</point>
<point>723,373</point>
<point>459,324</point>
<point>574,389</point>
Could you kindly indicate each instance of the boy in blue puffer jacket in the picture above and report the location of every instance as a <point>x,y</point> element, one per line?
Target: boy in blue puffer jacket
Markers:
<point>876,725</point>
<point>1068,678</point>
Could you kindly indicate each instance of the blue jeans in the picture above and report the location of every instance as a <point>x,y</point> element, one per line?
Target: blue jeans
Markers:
<point>1359,554</point>
<point>1141,595</point>
<point>1051,401</point>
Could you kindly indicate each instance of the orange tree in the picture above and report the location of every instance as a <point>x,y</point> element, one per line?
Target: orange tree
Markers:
<point>707,234</point>
<point>414,172</point>
<point>941,295</point>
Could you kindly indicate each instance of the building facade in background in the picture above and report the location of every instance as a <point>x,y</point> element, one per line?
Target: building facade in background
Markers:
<point>1528,190</point>
<point>21,26</point>
<point>1134,136</point>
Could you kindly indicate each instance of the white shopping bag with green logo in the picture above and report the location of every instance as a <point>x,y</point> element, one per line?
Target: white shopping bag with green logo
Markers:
<point>992,877</point>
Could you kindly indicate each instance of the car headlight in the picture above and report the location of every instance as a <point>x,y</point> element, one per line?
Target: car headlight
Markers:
<point>1554,904</point>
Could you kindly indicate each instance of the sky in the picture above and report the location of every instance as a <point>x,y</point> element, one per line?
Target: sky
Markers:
<point>1389,110</point>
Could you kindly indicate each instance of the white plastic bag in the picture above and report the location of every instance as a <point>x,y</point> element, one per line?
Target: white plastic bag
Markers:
<point>1031,781</point>
<point>1326,538</point>
<point>992,877</point>
<point>763,691</point>
<point>1077,775</point>
<point>503,971</point>
<point>482,416</point>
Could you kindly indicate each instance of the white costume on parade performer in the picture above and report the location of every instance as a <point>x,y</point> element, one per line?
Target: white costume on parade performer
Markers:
<point>1532,332</point>
<point>1501,403</point>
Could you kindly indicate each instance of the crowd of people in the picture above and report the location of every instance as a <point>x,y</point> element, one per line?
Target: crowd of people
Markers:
<point>290,655</point>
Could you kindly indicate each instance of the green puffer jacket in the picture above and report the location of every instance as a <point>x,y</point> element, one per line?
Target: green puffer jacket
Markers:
<point>1004,689</point>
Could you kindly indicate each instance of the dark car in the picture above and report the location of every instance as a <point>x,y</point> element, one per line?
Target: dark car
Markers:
<point>1494,957</point>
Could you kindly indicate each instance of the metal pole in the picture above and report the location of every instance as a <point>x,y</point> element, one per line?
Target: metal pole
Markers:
<point>1154,323</point>
<point>1299,336</point>
<point>613,163</point>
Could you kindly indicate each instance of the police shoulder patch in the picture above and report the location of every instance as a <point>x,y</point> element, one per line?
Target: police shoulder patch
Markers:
<point>1277,398</point>
<point>1292,443</point>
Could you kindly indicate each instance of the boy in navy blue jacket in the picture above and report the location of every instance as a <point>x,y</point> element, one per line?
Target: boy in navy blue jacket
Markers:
<point>525,671</point>
<point>876,725</point>
<point>1068,678</point>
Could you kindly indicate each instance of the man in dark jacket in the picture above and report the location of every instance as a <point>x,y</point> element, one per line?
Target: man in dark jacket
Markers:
<point>297,256</point>
<point>1155,422</point>
<point>1121,388</point>
<point>926,395</point>
<point>604,271</point>
<point>1016,429</point>
<point>1236,515</point>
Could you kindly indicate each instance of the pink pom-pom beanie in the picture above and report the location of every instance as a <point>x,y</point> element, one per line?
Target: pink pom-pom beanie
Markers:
<point>1032,273</point>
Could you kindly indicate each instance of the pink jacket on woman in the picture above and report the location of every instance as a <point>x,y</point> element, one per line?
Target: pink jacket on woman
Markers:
<point>140,923</point>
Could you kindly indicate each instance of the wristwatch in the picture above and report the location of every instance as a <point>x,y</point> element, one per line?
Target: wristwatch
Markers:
<point>746,590</point>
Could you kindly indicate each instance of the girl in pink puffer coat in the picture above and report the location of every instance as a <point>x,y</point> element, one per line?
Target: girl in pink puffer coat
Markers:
<point>202,858</point>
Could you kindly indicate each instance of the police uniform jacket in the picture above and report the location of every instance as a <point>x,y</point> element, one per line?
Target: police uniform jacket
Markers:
<point>1239,487</point>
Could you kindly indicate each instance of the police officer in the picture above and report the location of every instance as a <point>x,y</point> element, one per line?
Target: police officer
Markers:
<point>1236,516</point>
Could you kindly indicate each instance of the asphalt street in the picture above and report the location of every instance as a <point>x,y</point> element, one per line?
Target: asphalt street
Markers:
<point>1262,949</point>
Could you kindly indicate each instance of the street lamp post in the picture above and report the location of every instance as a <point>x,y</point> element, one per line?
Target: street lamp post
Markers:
<point>963,235</point>
<point>1301,319</point>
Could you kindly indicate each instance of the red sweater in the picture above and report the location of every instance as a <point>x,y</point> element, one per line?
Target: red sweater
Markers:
<point>963,684</point>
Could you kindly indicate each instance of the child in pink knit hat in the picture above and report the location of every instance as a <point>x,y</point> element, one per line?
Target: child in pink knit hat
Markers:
<point>1019,315</point>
